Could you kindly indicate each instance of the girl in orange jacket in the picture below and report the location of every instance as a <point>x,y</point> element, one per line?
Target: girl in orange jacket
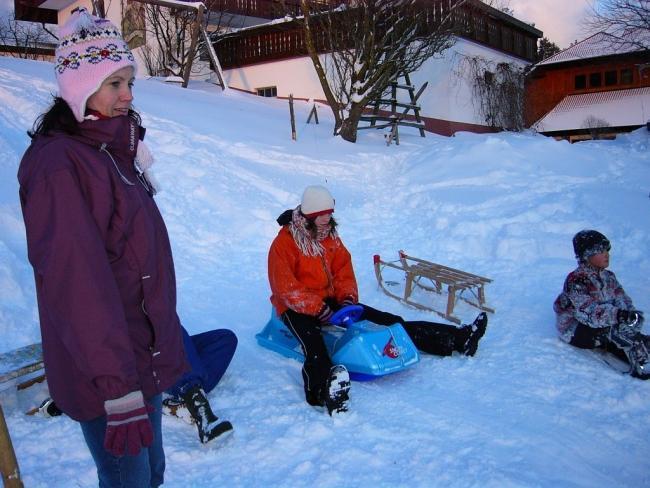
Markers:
<point>311,276</point>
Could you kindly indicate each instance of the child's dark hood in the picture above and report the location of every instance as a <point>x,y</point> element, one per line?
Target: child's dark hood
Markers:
<point>285,217</point>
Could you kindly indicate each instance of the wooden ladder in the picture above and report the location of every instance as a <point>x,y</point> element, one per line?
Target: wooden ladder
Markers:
<point>394,118</point>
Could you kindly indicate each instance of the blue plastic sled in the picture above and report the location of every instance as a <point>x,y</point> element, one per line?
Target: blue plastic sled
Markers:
<point>367,350</point>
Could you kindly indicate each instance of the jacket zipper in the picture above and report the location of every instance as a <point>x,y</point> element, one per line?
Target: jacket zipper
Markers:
<point>124,178</point>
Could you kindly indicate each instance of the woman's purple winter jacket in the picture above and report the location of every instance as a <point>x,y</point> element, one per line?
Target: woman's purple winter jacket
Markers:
<point>103,268</point>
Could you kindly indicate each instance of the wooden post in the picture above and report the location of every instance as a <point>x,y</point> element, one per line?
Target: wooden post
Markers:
<point>8,462</point>
<point>293,118</point>
<point>213,57</point>
<point>196,28</point>
<point>314,113</point>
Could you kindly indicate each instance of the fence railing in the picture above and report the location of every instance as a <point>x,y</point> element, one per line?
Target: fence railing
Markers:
<point>265,9</point>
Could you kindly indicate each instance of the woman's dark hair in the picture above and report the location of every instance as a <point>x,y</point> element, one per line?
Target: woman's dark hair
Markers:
<point>310,225</point>
<point>59,118</point>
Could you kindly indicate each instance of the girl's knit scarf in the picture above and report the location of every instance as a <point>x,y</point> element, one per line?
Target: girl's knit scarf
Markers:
<point>304,238</point>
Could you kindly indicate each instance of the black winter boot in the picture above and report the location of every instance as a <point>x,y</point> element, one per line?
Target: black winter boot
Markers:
<point>477,329</point>
<point>639,360</point>
<point>337,399</point>
<point>635,346</point>
<point>207,422</point>
<point>49,409</point>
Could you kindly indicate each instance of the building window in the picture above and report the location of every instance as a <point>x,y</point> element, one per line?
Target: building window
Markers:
<point>595,79</point>
<point>269,91</point>
<point>580,82</point>
<point>611,78</point>
<point>626,76</point>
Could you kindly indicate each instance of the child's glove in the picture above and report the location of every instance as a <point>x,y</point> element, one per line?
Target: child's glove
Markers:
<point>325,314</point>
<point>128,427</point>
<point>629,317</point>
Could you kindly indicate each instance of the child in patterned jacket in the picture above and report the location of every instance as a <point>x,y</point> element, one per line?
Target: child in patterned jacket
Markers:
<point>593,310</point>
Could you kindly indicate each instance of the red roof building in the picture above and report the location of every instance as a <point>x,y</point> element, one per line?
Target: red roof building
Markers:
<point>597,87</point>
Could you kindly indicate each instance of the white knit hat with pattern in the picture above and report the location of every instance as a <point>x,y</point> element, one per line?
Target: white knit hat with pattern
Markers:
<point>89,51</point>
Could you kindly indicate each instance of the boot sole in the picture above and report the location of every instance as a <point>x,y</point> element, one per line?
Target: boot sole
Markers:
<point>339,387</point>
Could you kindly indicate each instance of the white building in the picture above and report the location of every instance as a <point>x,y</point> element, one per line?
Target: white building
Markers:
<point>267,59</point>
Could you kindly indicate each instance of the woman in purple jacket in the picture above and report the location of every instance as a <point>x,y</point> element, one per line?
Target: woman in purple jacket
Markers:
<point>102,261</point>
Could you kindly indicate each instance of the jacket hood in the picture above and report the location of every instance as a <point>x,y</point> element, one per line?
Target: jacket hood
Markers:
<point>285,217</point>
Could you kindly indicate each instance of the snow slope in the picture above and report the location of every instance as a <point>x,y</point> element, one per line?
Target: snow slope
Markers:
<point>527,410</point>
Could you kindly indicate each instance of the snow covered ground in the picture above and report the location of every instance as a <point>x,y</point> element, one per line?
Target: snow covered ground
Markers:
<point>527,410</point>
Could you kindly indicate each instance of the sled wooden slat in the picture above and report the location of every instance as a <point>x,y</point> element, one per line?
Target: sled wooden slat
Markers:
<point>19,367</point>
<point>8,463</point>
<point>20,362</point>
<point>436,278</point>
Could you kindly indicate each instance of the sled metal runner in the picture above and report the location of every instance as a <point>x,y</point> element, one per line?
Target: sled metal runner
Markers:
<point>435,278</point>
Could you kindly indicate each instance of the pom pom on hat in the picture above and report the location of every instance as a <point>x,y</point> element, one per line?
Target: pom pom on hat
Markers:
<point>90,50</point>
<point>587,243</point>
<point>316,200</point>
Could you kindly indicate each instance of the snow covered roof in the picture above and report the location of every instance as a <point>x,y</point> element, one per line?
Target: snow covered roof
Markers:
<point>596,46</point>
<point>619,108</point>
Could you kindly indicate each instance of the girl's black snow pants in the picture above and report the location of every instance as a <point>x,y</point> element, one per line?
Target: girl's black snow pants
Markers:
<point>317,365</point>
<point>430,337</point>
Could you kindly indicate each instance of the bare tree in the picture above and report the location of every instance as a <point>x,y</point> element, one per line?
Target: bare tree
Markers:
<point>597,127</point>
<point>369,44</point>
<point>25,40</point>
<point>502,5</point>
<point>497,91</point>
<point>169,31</point>
<point>627,21</point>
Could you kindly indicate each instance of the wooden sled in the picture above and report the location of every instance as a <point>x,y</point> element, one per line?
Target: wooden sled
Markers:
<point>435,278</point>
<point>21,367</point>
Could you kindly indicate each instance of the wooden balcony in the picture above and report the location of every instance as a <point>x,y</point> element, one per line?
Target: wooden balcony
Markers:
<point>473,21</point>
<point>30,11</point>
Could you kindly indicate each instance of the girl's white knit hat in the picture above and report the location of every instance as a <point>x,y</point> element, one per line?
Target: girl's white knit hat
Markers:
<point>316,200</point>
<point>89,51</point>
